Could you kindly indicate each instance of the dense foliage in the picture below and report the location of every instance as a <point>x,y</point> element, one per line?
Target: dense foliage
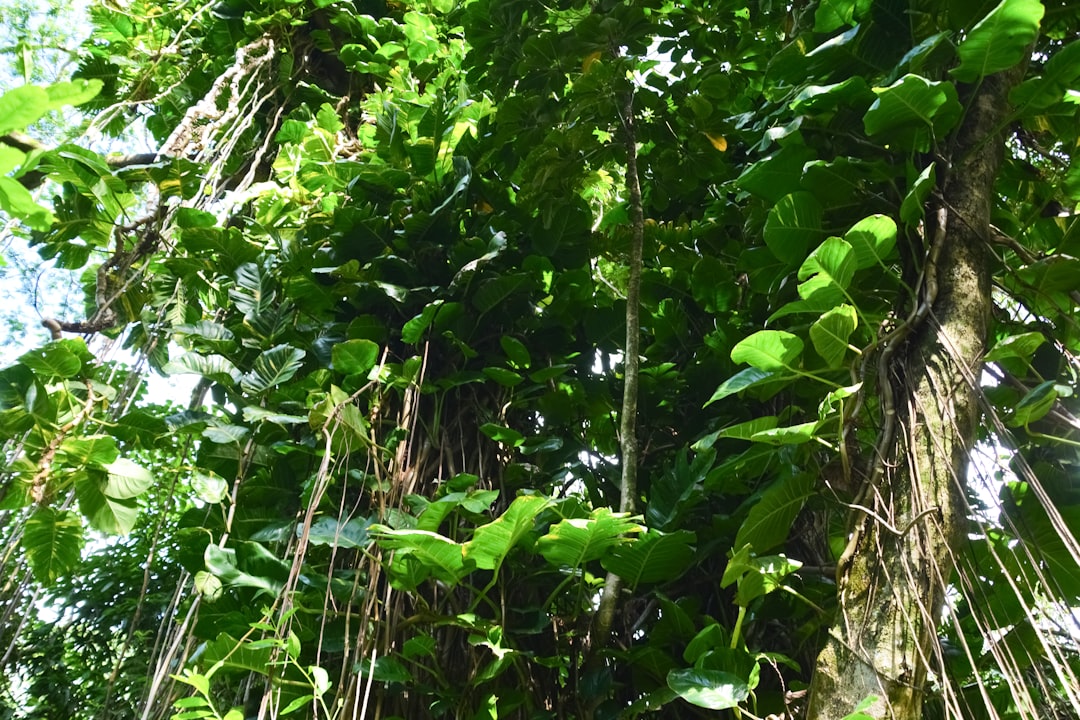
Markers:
<point>394,244</point>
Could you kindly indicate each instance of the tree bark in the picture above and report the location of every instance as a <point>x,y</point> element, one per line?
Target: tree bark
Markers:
<point>891,580</point>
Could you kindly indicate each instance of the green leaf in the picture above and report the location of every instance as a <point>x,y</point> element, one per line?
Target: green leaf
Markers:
<point>53,542</point>
<point>912,111</point>
<point>744,430</point>
<point>105,513</point>
<point>503,376</point>
<point>255,414</point>
<point>327,118</point>
<point>214,336</point>
<point>777,175</point>
<point>331,531</point>
<point>653,557</point>
<point>273,367</point>
<point>573,542</point>
<point>19,203</point>
<point>771,519</point>
<point>833,14</point>
<point>1049,88</point>
<point>214,367</point>
<point>912,208</point>
<point>53,361</point>
<point>744,380</point>
<point>491,543</point>
<point>710,637</point>
<point>440,555</point>
<point>354,357</point>
<point>872,240</point>
<point>237,655</point>
<point>1035,404</point>
<point>516,352</point>
<point>764,575</point>
<point>678,488</point>
<point>495,291</point>
<point>1022,346</point>
<point>793,226</point>
<point>1000,40</point>
<point>225,563</point>
<point>768,350</point>
<point>225,434</point>
<point>791,435</point>
<point>504,435</point>
<point>864,704</point>
<point>126,479</point>
<point>22,107</point>
<point>830,334</point>
<point>827,271</point>
<point>209,486</point>
<point>413,330</point>
<point>710,689</point>
<point>77,92</point>
<point>77,452</point>
<point>10,158</point>
<point>254,293</point>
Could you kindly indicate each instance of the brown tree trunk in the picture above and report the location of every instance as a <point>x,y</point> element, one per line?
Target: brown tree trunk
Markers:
<point>893,576</point>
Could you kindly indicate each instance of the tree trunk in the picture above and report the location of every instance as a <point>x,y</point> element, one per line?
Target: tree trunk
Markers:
<point>892,578</point>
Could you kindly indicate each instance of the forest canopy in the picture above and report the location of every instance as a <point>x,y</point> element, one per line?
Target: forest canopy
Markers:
<point>503,359</point>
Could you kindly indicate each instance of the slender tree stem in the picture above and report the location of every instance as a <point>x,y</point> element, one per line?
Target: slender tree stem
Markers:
<point>631,364</point>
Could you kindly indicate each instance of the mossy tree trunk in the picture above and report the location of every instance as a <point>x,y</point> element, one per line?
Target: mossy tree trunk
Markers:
<point>894,574</point>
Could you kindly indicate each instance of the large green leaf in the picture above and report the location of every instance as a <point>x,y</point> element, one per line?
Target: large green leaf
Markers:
<point>126,479</point>
<point>872,240</point>
<point>491,543</point>
<point>1050,87</point>
<point>249,565</point>
<point>1000,40</point>
<point>53,360</point>
<point>254,292</point>
<point>215,337</point>
<point>355,357</point>
<point>19,203</point>
<point>75,92</point>
<point>53,541</point>
<point>911,209</point>
<point>764,574</point>
<point>768,350</point>
<point>789,435</point>
<point>770,520</point>
<point>1022,346</point>
<point>214,367</point>
<point>22,107</point>
<point>712,689</point>
<point>830,334</point>
<point>777,175</point>
<point>751,377</point>
<point>746,430</point>
<point>793,226</point>
<point>273,367</point>
<point>678,488</point>
<point>239,655</point>
<point>652,557</point>
<point>442,556</point>
<point>76,452</point>
<point>573,542</point>
<point>350,534</point>
<point>833,14</point>
<point>827,273</point>
<point>912,111</point>
<point>105,513</point>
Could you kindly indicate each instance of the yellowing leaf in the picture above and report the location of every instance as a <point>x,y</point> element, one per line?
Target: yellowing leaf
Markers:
<point>589,60</point>
<point>718,141</point>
